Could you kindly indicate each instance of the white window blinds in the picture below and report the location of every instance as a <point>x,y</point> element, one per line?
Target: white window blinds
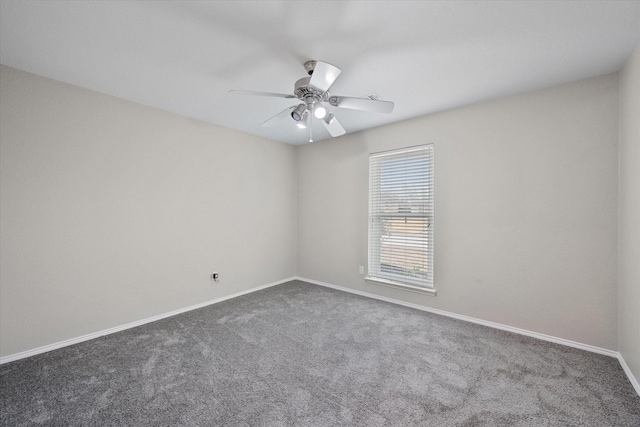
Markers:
<point>401,216</point>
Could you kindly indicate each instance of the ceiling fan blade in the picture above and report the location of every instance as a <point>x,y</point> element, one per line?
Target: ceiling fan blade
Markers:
<point>365,104</point>
<point>249,92</point>
<point>324,74</point>
<point>334,127</point>
<point>278,117</point>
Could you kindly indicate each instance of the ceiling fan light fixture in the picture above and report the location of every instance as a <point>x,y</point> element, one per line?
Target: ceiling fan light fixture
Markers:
<point>298,112</point>
<point>320,112</point>
<point>302,123</point>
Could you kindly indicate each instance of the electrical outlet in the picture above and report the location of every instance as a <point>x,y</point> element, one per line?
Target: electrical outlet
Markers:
<point>215,277</point>
<point>361,269</point>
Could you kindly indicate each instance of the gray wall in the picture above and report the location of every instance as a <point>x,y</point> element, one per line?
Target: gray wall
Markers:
<point>525,210</point>
<point>629,220</point>
<point>113,212</point>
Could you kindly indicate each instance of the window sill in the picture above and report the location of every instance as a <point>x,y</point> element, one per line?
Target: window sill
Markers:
<point>402,286</point>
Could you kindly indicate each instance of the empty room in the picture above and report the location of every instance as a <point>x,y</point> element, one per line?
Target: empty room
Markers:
<point>319,213</point>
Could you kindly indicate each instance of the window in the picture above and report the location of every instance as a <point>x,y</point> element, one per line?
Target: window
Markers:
<point>401,218</point>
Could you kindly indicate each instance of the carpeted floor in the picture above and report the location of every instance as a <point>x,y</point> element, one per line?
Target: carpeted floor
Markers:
<point>303,355</point>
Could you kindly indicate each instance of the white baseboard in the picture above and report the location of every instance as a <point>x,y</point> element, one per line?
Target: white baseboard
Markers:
<point>532,334</point>
<point>634,381</point>
<point>87,337</point>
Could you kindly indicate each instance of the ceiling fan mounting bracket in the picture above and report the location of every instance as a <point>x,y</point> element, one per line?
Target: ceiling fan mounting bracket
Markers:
<point>310,66</point>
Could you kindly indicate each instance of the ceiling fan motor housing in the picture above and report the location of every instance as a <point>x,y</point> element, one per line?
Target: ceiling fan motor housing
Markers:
<point>308,94</point>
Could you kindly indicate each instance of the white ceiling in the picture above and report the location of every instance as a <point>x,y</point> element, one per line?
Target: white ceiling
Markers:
<point>183,56</point>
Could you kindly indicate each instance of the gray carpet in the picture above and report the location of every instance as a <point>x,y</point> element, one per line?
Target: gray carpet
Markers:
<point>303,355</point>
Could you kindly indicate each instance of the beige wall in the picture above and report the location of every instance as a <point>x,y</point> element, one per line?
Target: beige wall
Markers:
<point>629,220</point>
<point>113,212</point>
<point>525,210</point>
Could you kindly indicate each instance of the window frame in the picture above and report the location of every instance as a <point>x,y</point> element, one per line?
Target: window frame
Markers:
<point>422,211</point>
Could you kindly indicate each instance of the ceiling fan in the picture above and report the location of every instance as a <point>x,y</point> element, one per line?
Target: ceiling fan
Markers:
<point>313,92</point>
